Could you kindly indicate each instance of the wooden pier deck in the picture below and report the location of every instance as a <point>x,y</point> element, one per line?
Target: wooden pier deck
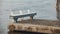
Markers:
<point>37,25</point>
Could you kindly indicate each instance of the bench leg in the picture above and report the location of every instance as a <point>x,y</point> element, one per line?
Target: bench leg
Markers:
<point>15,19</point>
<point>31,17</point>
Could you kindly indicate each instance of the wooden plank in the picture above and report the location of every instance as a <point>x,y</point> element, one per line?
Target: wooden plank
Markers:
<point>38,28</point>
<point>32,28</point>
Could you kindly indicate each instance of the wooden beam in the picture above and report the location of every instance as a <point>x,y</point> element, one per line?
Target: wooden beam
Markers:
<point>57,8</point>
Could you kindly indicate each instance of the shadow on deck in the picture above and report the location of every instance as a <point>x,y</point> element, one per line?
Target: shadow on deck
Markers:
<point>41,22</point>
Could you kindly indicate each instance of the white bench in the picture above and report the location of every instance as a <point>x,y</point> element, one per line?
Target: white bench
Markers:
<point>16,16</point>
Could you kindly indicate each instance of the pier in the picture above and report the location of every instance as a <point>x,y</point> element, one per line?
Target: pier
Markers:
<point>36,25</point>
<point>33,25</point>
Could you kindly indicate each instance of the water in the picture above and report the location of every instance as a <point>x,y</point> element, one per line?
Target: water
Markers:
<point>45,9</point>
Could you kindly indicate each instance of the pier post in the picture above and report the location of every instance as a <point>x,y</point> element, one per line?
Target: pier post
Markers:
<point>57,9</point>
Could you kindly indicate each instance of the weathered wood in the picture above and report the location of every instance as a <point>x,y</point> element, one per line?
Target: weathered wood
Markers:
<point>57,8</point>
<point>35,28</point>
<point>37,25</point>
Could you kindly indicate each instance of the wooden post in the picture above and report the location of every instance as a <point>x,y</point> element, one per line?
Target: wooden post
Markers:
<point>57,8</point>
